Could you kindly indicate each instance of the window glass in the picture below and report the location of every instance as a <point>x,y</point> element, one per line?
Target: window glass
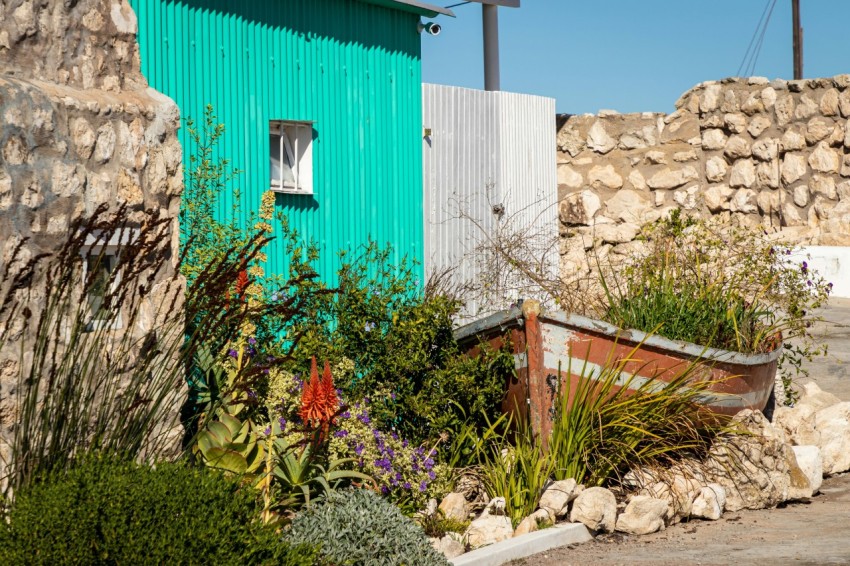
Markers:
<point>99,269</point>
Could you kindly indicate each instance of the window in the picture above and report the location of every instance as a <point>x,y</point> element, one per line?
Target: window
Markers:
<point>101,276</point>
<point>291,153</point>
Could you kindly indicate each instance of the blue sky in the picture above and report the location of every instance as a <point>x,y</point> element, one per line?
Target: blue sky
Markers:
<point>632,55</point>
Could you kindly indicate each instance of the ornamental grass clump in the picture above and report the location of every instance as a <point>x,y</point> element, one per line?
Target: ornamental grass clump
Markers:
<point>616,420</point>
<point>719,286</point>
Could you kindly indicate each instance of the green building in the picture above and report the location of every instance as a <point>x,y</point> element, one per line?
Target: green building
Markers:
<point>322,101</point>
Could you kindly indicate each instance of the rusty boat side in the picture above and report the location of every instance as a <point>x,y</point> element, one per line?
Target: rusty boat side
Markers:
<point>558,349</point>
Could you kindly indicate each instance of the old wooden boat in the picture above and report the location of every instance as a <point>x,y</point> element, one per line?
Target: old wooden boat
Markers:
<point>556,349</point>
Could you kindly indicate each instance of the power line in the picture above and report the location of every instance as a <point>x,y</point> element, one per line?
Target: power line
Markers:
<point>751,55</point>
<point>456,5</point>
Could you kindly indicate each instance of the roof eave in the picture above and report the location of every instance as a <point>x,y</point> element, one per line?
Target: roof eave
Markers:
<point>415,6</point>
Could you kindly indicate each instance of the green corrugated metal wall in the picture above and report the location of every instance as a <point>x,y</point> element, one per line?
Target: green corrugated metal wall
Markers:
<point>351,67</point>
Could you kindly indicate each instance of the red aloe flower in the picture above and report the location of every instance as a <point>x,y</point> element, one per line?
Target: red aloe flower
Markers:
<point>319,402</point>
<point>242,283</point>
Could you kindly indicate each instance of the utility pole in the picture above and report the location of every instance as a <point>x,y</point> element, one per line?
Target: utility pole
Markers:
<point>490,25</point>
<point>798,39</point>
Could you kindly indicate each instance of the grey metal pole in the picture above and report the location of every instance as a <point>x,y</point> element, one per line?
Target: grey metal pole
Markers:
<point>490,24</point>
<point>797,39</point>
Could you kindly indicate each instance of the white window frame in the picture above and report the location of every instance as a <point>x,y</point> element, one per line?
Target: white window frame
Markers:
<point>107,248</point>
<point>296,145</point>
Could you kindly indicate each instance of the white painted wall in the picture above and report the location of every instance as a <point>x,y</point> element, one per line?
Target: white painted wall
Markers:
<point>832,262</point>
<point>486,150</point>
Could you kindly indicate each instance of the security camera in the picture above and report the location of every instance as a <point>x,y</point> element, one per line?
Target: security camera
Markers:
<point>430,28</point>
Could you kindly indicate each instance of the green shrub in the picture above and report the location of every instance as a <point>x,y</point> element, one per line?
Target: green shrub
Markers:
<point>358,527</point>
<point>109,512</point>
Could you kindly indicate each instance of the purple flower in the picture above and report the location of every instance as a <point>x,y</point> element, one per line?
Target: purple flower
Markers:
<point>266,371</point>
<point>809,282</point>
<point>252,341</point>
<point>423,486</point>
<point>233,353</point>
<point>404,443</point>
<point>267,431</point>
<point>364,418</point>
<point>394,435</point>
<point>429,463</point>
<point>341,434</point>
<point>385,490</point>
<point>346,415</point>
<point>358,449</point>
<point>432,474</point>
<point>282,422</point>
<point>398,476</point>
<point>252,394</point>
<point>406,485</point>
<point>804,268</point>
<point>392,396</point>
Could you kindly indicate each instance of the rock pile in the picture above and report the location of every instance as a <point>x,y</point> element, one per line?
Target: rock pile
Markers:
<point>760,465</point>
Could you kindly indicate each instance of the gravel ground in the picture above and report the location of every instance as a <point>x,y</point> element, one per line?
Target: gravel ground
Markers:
<point>813,532</point>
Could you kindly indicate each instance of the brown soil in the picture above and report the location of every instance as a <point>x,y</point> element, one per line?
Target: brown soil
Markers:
<point>813,532</point>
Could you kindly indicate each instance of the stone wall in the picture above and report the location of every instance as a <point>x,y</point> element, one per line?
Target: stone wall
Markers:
<point>80,128</point>
<point>759,152</point>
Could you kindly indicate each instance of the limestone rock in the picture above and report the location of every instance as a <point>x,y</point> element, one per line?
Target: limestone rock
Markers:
<point>449,546</point>
<point>569,177</point>
<point>805,108</point>
<point>743,174</point>
<point>598,139</point>
<point>710,98</point>
<point>752,466</point>
<point>656,157</point>
<point>616,234</point>
<point>745,201</point>
<point>813,396</point>
<point>682,129</point>
<point>736,123</point>
<point>790,216</point>
<point>557,497</point>
<point>768,202</point>
<point>713,139</point>
<point>455,507</point>
<point>810,463</point>
<point>801,195</point>
<point>710,502</point>
<point>737,147</point>
<point>758,125</point>
<point>579,208</point>
<point>765,150</point>
<point>752,104</point>
<point>829,103</point>
<point>793,167</point>
<point>604,176</point>
<point>844,103</point>
<point>105,144</point>
<point>628,206</point>
<point>642,516</point>
<point>768,97</point>
<point>715,169</point>
<point>670,178</point>
<point>596,508</point>
<point>687,198</point>
<point>793,140</point>
<point>637,180</point>
<point>717,197</point>
<point>569,140</point>
<point>817,129</point>
<point>767,174</point>
<point>532,522</point>
<point>784,109</point>
<point>83,137</point>
<point>683,156</point>
<point>488,529</point>
<point>833,424</point>
<point>824,159</point>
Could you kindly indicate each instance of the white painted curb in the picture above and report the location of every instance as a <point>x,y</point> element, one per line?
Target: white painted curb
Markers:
<point>525,545</point>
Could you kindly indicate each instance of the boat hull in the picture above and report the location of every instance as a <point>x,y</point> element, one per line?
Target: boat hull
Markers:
<point>555,351</point>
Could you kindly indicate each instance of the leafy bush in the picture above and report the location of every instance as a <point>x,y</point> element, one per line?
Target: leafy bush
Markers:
<point>400,340</point>
<point>358,527</point>
<point>109,512</point>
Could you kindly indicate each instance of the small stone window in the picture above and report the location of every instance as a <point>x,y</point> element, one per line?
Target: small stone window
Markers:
<point>291,156</point>
<point>101,276</point>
